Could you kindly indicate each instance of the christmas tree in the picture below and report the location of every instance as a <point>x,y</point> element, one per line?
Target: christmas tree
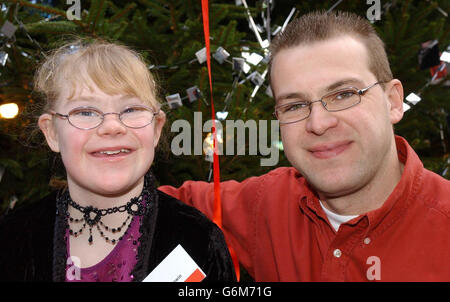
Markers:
<point>169,34</point>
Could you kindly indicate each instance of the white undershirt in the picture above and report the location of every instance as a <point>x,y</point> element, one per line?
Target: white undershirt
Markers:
<point>335,219</point>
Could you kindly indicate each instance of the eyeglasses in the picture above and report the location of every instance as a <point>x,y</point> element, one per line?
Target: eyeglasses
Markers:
<point>87,118</point>
<point>332,102</point>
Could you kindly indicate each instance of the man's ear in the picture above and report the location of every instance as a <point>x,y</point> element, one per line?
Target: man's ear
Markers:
<point>47,127</point>
<point>394,93</point>
<point>160,120</point>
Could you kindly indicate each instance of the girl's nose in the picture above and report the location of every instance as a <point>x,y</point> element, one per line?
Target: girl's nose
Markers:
<point>111,125</point>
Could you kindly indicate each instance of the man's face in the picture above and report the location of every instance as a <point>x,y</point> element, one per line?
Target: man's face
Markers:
<point>337,152</point>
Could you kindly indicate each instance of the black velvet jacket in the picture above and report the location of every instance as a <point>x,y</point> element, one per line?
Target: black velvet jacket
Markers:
<point>32,245</point>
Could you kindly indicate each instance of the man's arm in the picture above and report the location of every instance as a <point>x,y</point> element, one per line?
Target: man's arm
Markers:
<point>239,202</point>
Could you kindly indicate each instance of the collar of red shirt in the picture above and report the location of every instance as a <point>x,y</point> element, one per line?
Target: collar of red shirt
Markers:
<point>395,205</point>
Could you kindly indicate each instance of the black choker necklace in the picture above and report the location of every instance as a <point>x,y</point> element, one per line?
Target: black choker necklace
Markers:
<point>92,217</point>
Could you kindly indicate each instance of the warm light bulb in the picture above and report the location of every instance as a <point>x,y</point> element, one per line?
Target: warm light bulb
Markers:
<point>9,110</point>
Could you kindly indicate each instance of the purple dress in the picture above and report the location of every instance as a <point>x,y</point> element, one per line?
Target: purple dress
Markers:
<point>116,266</point>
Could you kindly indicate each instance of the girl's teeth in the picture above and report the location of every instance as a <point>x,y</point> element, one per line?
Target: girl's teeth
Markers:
<point>115,152</point>
<point>110,152</point>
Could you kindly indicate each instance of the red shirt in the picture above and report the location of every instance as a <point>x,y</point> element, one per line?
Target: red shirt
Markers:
<point>280,232</point>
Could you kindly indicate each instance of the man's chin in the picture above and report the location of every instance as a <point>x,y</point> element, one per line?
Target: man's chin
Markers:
<point>333,186</point>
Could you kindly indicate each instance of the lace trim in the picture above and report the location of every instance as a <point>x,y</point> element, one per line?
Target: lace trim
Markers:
<point>146,230</point>
<point>59,237</point>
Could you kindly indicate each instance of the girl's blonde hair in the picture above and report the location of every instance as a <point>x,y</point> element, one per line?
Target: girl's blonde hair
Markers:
<point>113,68</point>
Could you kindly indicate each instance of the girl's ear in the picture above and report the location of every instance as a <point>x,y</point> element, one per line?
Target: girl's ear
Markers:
<point>160,119</point>
<point>47,127</point>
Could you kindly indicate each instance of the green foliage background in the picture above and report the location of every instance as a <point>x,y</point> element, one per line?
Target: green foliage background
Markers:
<point>168,33</point>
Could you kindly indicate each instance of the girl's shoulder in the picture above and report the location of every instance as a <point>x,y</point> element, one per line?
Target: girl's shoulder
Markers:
<point>181,224</point>
<point>180,214</point>
<point>26,216</point>
<point>26,234</point>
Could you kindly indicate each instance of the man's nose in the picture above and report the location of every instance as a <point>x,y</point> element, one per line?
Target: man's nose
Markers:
<point>320,120</point>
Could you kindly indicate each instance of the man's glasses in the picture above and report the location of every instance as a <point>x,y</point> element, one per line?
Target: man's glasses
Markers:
<point>332,102</point>
<point>86,118</point>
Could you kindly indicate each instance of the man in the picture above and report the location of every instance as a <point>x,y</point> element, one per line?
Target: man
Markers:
<point>357,204</point>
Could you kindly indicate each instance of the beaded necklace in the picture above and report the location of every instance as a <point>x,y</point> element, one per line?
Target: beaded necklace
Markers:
<point>92,217</point>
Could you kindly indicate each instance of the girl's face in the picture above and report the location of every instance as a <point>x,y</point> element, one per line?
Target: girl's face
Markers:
<point>89,169</point>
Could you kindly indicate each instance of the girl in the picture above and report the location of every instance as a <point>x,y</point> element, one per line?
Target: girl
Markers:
<point>110,224</point>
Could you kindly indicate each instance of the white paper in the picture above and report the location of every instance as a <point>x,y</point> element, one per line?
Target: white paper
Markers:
<point>178,266</point>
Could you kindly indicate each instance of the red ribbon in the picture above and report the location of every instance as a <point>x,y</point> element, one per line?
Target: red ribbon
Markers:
<point>217,209</point>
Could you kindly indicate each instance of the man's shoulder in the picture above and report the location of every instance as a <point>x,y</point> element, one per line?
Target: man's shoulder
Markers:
<point>283,176</point>
<point>285,173</point>
<point>436,192</point>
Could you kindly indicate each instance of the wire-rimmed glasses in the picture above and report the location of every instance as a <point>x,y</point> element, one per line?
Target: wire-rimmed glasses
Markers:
<point>334,101</point>
<point>87,118</point>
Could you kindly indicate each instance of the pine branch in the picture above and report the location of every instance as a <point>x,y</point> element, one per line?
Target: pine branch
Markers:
<point>122,13</point>
<point>157,10</point>
<point>100,12</point>
<point>47,9</point>
<point>172,18</point>
<point>53,27</point>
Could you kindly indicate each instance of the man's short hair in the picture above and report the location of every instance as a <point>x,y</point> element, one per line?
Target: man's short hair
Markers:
<point>321,26</point>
